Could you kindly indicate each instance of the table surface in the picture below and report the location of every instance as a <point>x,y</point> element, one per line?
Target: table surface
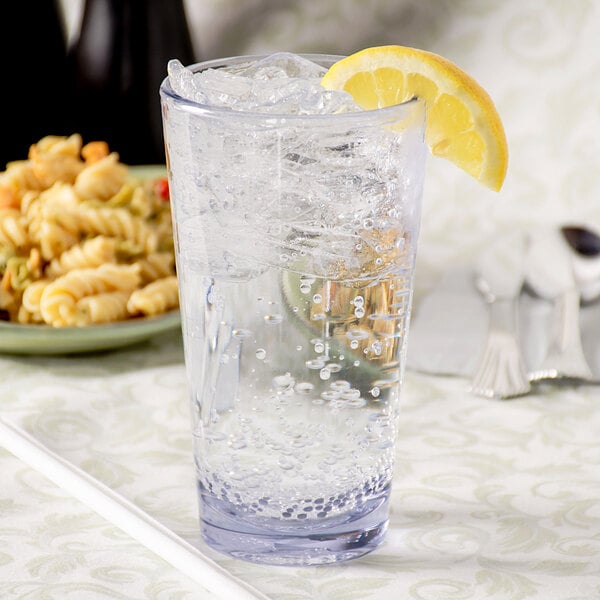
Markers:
<point>492,499</point>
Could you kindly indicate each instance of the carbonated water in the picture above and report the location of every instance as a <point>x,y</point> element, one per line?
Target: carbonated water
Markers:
<point>296,233</point>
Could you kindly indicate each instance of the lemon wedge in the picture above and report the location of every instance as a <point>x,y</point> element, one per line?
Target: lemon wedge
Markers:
<point>462,123</point>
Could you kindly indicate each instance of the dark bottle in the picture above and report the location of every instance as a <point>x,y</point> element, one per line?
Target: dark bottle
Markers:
<point>116,66</point>
<point>33,50</point>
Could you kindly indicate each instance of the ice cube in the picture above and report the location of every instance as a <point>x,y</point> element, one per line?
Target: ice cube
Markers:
<point>282,65</point>
<point>282,83</point>
<point>183,82</point>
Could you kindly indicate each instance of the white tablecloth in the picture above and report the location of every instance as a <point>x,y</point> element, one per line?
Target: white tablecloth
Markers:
<point>492,500</point>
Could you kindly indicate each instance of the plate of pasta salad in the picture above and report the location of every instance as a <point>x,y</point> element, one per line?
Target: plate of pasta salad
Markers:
<point>86,250</point>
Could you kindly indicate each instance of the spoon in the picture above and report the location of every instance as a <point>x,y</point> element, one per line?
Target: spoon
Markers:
<point>550,274</point>
<point>585,244</point>
<point>583,240</point>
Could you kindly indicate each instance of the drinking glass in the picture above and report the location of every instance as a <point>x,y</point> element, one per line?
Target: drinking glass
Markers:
<point>295,240</point>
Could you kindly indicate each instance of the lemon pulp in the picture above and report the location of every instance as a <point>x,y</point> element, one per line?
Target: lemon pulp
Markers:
<point>462,123</point>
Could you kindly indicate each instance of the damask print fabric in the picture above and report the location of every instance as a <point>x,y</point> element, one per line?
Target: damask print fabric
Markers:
<point>492,500</point>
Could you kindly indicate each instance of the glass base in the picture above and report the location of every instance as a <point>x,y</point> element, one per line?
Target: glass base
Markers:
<point>278,542</point>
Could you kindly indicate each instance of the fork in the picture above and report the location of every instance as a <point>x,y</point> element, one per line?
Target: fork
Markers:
<point>501,372</point>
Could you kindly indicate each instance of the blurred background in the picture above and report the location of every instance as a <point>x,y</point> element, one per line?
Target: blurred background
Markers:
<point>538,59</point>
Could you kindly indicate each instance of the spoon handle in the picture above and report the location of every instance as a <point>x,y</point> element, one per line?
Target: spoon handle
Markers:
<point>564,357</point>
<point>501,373</point>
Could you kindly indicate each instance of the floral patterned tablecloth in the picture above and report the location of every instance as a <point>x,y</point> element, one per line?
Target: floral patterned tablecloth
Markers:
<point>492,500</point>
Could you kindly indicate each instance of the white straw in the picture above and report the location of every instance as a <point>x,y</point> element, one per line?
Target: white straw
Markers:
<point>125,515</point>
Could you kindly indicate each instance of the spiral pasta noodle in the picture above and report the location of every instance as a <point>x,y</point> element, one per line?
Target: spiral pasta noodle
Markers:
<point>82,241</point>
<point>155,298</point>
<point>13,231</point>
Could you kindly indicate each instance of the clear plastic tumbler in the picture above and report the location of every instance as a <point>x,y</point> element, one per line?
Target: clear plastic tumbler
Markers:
<point>295,240</point>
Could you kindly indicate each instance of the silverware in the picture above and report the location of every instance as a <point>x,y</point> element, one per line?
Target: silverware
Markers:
<point>550,275</point>
<point>585,244</point>
<point>582,239</point>
<point>499,278</point>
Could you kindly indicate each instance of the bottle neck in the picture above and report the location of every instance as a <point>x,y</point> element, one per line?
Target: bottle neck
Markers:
<point>118,62</point>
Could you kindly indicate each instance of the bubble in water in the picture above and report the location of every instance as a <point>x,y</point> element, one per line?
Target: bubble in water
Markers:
<point>298,347</point>
<point>379,261</point>
<point>214,436</point>
<point>376,348</point>
<point>384,445</point>
<point>241,333</point>
<point>356,402</point>
<point>304,387</point>
<point>368,223</point>
<point>336,404</point>
<point>340,385</point>
<point>237,442</point>
<point>375,392</point>
<point>324,373</point>
<point>283,382</point>
<point>359,301</point>
<point>317,298</point>
<point>359,312</point>
<point>379,421</point>
<point>305,288</point>
<point>356,363</point>
<point>319,347</point>
<point>354,344</point>
<point>351,393</point>
<point>273,319</point>
<point>330,395</point>
<point>357,334</point>
<point>315,363</point>
<point>334,367</point>
<point>285,463</point>
<point>261,354</point>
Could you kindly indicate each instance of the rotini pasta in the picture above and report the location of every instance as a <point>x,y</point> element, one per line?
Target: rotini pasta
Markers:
<point>82,241</point>
<point>156,266</point>
<point>59,298</point>
<point>102,308</point>
<point>92,252</point>
<point>118,222</point>
<point>13,231</point>
<point>155,298</point>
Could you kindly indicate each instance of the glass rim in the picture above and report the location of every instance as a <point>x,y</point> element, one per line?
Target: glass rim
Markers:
<point>165,90</point>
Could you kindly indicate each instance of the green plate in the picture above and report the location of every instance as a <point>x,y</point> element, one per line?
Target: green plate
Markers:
<point>44,339</point>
